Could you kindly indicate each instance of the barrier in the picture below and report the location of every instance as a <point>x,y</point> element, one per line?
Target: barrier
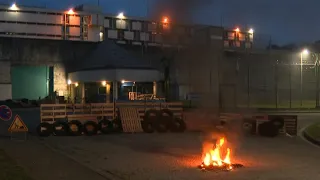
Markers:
<point>290,123</point>
<point>96,111</point>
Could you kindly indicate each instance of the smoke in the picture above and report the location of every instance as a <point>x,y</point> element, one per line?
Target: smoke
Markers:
<point>178,10</point>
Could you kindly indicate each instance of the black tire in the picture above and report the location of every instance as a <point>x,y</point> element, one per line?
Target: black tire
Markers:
<point>75,128</point>
<point>160,126</point>
<point>106,126</point>
<point>117,125</point>
<point>249,125</point>
<point>147,126</point>
<point>152,115</point>
<point>278,122</point>
<point>166,112</point>
<point>268,129</point>
<point>178,125</point>
<point>90,128</point>
<point>60,128</point>
<point>44,129</point>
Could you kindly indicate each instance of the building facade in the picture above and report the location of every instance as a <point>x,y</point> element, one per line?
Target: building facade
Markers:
<point>88,24</point>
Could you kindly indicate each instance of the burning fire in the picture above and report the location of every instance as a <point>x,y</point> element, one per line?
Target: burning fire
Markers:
<point>218,157</point>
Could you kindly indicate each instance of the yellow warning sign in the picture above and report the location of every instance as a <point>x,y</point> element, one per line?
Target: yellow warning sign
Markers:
<point>18,125</point>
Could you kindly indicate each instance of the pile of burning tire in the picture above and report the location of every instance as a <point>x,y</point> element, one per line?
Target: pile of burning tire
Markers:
<point>76,128</point>
<point>162,121</point>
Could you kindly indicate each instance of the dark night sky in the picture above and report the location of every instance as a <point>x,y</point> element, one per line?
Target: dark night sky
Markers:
<point>285,21</point>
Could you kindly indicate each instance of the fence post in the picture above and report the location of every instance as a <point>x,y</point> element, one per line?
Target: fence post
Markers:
<point>276,84</point>
<point>248,82</point>
<point>290,81</point>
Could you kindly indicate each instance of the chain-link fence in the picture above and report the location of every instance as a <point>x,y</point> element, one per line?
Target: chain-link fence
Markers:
<point>269,81</point>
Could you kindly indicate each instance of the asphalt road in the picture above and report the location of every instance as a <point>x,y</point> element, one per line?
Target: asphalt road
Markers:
<point>175,156</point>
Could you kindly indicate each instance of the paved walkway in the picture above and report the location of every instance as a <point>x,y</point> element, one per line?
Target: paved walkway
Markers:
<point>42,163</point>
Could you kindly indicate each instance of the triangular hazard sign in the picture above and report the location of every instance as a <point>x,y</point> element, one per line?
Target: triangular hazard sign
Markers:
<point>18,125</point>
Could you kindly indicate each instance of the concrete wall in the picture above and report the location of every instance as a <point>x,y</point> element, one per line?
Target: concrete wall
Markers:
<point>63,55</point>
<point>197,67</point>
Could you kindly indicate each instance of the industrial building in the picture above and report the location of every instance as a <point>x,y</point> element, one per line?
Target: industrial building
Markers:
<point>44,51</point>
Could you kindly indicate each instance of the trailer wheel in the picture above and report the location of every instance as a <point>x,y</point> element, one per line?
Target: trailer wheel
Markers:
<point>44,129</point>
<point>75,128</point>
<point>60,128</point>
<point>106,126</point>
<point>178,125</point>
<point>147,126</point>
<point>90,128</point>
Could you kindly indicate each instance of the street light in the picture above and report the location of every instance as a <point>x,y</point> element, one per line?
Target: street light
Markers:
<point>237,30</point>
<point>303,52</point>
<point>121,15</point>
<point>251,31</point>
<point>71,11</point>
<point>13,7</point>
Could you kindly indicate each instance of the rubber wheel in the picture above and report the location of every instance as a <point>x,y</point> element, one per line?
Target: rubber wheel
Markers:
<point>90,128</point>
<point>117,125</point>
<point>166,112</point>
<point>152,115</point>
<point>278,122</point>
<point>106,126</point>
<point>147,126</point>
<point>160,126</point>
<point>178,125</point>
<point>75,128</point>
<point>268,129</point>
<point>44,129</point>
<point>249,125</point>
<point>60,128</point>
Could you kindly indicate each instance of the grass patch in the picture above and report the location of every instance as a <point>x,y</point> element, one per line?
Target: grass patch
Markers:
<point>9,170</point>
<point>313,131</point>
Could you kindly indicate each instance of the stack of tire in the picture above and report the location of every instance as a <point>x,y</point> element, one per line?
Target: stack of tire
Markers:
<point>271,128</point>
<point>76,128</point>
<point>162,121</point>
<point>268,129</point>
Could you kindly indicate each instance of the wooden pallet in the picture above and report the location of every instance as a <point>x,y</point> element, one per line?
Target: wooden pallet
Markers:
<point>130,119</point>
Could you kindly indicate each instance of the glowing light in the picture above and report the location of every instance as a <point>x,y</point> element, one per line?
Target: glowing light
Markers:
<point>121,15</point>
<point>305,52</point>
<point>165,20</point>
<point>104,83</point>
<point>76,84</point>
<point>123,81</point>
<point>251,31</point>
<point>69,82</point>
<point>70,11</point>
<point>14,7</point>
<point>237,30</point>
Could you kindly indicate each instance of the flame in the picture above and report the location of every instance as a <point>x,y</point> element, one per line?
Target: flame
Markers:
<point>214,156</point>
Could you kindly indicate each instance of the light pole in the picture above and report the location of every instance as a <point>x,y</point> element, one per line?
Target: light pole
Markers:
<point>304,52</point>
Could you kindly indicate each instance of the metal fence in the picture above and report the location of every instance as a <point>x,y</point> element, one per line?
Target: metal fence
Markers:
<point>271,83</point>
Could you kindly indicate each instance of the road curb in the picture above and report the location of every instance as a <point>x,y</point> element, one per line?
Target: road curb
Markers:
<point>310,139</point>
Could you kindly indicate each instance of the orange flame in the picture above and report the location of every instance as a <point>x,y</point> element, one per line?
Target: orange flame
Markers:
<point>214,156</point>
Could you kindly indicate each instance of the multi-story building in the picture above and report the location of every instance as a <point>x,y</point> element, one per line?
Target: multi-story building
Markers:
<point>89,24</point>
